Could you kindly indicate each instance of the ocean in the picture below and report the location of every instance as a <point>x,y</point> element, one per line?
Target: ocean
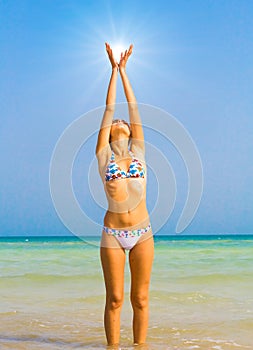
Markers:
<point>201,295</point>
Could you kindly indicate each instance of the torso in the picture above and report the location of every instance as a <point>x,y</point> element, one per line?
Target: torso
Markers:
<point>125,188</point>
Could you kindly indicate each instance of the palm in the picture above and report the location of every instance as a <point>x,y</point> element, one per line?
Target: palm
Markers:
<point>124,56</point>
<point>110,55</point>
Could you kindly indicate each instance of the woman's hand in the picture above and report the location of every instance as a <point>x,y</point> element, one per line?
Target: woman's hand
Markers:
<point>124,57</point>
<point>114,63</point>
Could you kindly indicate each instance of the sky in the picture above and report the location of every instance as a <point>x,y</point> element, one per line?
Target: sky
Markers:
<point>191,59</point>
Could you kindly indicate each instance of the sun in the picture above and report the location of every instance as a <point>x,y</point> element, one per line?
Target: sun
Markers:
<point>117,48</point>
<point>87,46</point>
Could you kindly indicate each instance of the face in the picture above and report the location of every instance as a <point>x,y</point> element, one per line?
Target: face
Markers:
<point>119,128</point>
<point>119,122</point>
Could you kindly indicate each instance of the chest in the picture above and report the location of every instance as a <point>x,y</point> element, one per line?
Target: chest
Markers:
<point>124,169</point>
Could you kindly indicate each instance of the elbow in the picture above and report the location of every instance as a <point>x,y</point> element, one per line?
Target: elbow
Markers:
<point>133,106</point>
<point>110,107</point>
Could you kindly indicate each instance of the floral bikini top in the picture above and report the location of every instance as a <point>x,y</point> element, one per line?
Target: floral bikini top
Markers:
<point>113,171</point>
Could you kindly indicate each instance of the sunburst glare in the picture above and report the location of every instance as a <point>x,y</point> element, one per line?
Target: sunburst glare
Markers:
<point>86,46</point>
<point>117,48</point>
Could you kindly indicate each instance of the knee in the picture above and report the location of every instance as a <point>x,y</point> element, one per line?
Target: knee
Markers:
<point>139,301</point>
<point>114,301</point>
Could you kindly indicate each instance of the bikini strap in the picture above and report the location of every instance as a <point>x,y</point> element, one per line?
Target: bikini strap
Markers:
<point>112,156</point>
<point>131,153</point>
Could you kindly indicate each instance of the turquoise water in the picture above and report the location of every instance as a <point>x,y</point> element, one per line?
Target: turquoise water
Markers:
<point>201,295</point>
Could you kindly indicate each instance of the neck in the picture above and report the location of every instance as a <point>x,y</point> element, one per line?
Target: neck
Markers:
<point>120,147</point>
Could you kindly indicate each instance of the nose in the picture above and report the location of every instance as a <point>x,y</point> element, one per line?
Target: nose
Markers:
<point>117,121</point>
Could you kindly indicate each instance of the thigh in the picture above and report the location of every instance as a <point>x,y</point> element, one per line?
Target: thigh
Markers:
<point>140,261</point>
<point>113,264</point>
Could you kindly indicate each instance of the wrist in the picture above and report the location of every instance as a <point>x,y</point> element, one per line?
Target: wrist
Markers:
<point>122,69</point>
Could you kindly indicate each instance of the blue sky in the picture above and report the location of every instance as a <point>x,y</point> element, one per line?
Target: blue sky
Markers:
<point>193,59</point>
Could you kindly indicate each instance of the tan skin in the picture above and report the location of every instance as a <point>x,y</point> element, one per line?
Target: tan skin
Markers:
<point>126,210</point>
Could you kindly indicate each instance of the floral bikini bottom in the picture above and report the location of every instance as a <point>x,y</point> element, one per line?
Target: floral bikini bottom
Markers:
<point>127,238</point>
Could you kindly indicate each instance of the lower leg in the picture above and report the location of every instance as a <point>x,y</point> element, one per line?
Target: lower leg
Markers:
<point>140,322</point>
<point>112,323</point>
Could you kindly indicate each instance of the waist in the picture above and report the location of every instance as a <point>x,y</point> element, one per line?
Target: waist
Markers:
<point>127,208</point>
<point>135,219</point>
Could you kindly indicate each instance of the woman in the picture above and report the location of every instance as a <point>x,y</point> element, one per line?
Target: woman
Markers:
<point>126,222</point>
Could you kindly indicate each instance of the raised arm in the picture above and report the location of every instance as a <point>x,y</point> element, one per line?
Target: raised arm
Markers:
<point>135,119</point>
<point>105,127</point>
